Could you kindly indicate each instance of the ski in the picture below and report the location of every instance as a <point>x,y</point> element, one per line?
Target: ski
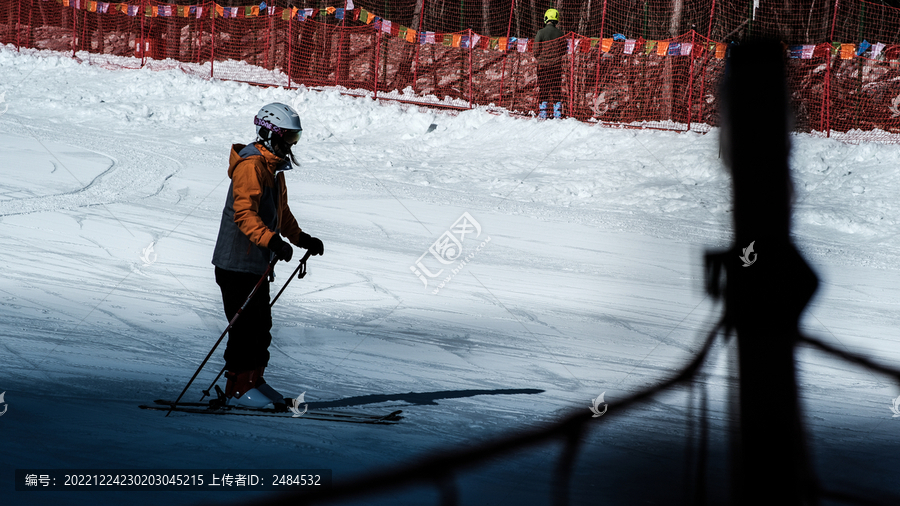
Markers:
<point>332,416</point>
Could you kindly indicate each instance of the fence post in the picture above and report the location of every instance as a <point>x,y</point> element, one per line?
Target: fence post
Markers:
<point>599,56</point>
<point>712,11</point>
<point>418,45</point>
<point>143,42</point>
<point>75,30</point>
<point>337,69</point>
<point>691,81</point>
<point>18,22</point>
<point>270,56</point>
<point>470,68</point>
<point>571,105</point>
<point>199,36</point>
<point>30,41</point>
<point>512,7</point>
<point>290,53</point>
<point>377,58</point>
<point>212,41</point>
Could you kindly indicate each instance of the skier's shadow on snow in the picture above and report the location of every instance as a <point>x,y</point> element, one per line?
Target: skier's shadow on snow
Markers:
<point>418,399</point>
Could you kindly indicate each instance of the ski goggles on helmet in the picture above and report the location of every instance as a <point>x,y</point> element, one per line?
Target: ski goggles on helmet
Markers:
<point>291,137</point>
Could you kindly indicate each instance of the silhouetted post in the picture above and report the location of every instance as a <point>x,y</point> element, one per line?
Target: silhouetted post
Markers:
<point>765,290</point>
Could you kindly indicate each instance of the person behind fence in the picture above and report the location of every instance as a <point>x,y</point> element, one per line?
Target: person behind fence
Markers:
<point>255,217</point>
<point>549,50</point>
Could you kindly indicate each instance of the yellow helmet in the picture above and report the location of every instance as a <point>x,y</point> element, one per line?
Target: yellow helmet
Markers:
<point>551,15</point>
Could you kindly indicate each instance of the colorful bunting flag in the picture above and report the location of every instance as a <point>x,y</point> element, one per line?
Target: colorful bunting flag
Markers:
<point>721,49</point>
<point>662,48</point>
<point>470,40</point>
<point>847,51</point>
<point>863,46</point>
<point>606,45</point>
<point>803,51</point>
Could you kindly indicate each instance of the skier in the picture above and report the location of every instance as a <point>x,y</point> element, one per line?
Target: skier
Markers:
<point>549,53</point>
<point>255,216</point>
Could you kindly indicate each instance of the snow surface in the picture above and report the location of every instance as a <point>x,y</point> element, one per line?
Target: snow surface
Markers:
<point>111,189</point>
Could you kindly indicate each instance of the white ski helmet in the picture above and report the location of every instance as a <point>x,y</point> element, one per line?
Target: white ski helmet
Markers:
<point>276,122</point>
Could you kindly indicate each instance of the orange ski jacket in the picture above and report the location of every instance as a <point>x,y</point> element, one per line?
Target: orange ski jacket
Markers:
<point>256,209</point>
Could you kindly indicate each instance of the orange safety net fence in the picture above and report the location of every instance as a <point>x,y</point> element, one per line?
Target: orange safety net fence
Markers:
<point>640,63</point>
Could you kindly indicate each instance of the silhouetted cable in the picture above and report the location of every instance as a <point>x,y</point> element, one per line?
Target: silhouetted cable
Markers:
<point>428,471</point>
<point>850,357</point>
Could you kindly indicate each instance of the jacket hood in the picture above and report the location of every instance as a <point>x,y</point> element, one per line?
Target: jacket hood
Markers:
<point>241,152</point>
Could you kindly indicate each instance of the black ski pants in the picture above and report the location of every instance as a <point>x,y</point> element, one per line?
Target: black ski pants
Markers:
<point>249,338</point>
<point>549,83</point>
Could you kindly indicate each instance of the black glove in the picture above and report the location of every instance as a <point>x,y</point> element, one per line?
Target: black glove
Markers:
<point>313,244</point>
<point>281,249</point>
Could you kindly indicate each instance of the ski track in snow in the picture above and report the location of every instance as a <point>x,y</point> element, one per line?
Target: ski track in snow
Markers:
<point>592,282</point>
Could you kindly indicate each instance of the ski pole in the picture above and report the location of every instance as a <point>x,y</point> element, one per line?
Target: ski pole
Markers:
<point>301,269</point>
<point>230,324</point>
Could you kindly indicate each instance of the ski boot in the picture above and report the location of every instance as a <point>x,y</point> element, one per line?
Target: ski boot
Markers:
<point>557,110</point>
<point>543,110</point>
<point>242,389</point>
